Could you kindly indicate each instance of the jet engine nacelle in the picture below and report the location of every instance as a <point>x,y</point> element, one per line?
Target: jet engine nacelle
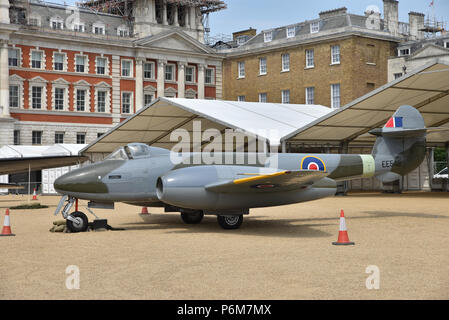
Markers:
<point>186,188</point>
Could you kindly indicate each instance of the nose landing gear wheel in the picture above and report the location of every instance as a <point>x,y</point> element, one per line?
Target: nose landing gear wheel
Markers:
<point>230,222</point>
<point>80,224</point>
<point>194,217</point>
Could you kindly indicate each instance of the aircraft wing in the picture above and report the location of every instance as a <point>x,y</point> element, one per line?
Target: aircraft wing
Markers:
<point>275,182</point>
<point>16,165</point>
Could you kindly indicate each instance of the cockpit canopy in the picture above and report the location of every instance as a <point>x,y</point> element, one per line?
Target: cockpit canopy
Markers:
<point>131,151</point>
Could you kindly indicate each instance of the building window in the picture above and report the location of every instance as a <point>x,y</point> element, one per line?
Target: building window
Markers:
<point>101,65</point>
<point>241,98</point>
<point>446,45</point>
<point>310,58</point>
<point>126,68</point>
<point>404,52</point>
<point>148,98</point>
<point>285,62</point>
<point>315,27</point>
<point>397,75</point>
<point>78,27</point>
<point>36,59</point>
<point>209,76</point>
<point>291,32</point>
<point>58,63</point>
<point>310,95</point>
<point>36,137</point>
<point>148,70</point>
<point>34,21</point>
<point>59,137</point>
<point>81,138</point>
<point>101,101</point>
<point>123,32</point>
<point>126,102</point>
<point>267,36</point>
<point>335,53</point>
<point>241,40</point>
<point>80,62</point>
<point>13,96</point>
<point>36,97</point>
<point>335,94</point>
<point>263,66</point>
<point>13,57</point>
<point>80,100</point>
<point>169,72</point>
<point>286,96</point>
<point>241,70</point>
<point>99,135</point>
<point>98,28</point>
<point>263,97</point>
<point>190,74</point>
<point>56,23</point>
<point>16,137</point>
<point>59,98</point>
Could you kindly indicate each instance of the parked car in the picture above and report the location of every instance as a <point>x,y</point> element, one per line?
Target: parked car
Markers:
<point>442,174</point>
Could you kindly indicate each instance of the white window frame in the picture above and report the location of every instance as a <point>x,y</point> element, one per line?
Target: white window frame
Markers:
<point>60,84</point>
<point>19,56</point>
<point>242,40</point>
<point>310,95</point>
<point>173,73</point>
<point>446,44</point>
<point>103,87</point>
<point>403,49</point>
<point>153,66</point>
<point>241,98</point>
<point>291,32</point>
<point>85,104</point>
<point>241,69</point>
<point>40,137</point>
<point>81,134</point>
<point>145,95</point>
<point>18,96</point>
<point>35,17</point>
<point>106,66</point>
<point>131,68</point>
<point>193,74</point>
<point>308,58</point>
<point>335,104</point>
<point>212,76</point>
<point>285,96</point>
<point>79,27</point>
<point>267,36</point>
<point>64,94</point>
<point>315,27</point>
<point>263,69</point>
<point>285,60</point>
<point>57,20</point>
<point>335,54</point>
<point>131,107</point>
<point>123,31</point>
<point>15,80</point>
<point>263,97</point>
<point>59,133</point>
<point>85,65</point>
<point>149,90</point>
<point>42,62</point>
<point>81,85</point>
<point>97,100</point>
<point>397,75</point>
<point>64,60</point>
<point>99,25</point>
<point>37,82</point>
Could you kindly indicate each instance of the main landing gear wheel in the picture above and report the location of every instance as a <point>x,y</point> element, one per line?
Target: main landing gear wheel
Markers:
<point>230,222</point>
<point>79,224</point>
<point>194,217</point>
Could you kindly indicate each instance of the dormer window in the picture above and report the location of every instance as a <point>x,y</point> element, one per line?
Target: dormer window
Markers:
<point>404,52</point>
<point>446,45</point>
<point>79,27</point>
<point>34,21</point>
<point>241,40</point>
<point>123,31</point>
<point>56,23</point>
<point>315,27</point>
<point>268,36</point>
<point>98,28</point>
<point>291,32</point>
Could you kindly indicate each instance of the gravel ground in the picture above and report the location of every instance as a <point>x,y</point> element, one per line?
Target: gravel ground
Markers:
<point>279,253</point>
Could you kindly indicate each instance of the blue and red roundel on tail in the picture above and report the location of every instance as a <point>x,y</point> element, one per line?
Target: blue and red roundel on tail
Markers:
<point>313,163</point>
<point>395,122</point>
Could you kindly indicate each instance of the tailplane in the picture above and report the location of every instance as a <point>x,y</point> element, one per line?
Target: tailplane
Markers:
<point>401,144</point>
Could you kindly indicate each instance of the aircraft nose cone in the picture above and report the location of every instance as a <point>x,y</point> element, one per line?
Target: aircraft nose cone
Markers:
<point>83,180</point>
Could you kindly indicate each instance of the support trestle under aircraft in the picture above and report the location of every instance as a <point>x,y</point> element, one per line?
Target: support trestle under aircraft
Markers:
<point>145,176</point>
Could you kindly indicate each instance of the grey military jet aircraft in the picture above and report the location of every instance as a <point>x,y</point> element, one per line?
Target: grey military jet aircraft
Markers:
<point>145,176</point>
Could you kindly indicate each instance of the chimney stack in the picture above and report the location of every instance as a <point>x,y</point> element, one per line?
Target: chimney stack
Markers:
<point>416,21</point>
<point>391,16</point>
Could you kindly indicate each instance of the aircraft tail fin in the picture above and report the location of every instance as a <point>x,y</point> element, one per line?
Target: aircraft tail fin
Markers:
<point>401,144</point>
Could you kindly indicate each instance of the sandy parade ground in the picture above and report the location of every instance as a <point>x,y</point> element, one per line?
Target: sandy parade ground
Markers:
<point>279,253</point>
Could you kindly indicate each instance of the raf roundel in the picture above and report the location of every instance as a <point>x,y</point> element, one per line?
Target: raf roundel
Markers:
<point>313,163</point>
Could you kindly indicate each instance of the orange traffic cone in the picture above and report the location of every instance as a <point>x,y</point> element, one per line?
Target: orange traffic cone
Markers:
<point>34,194</point>
<point>343,239</point>
<point>144,211</point>
<point>6,231</point>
